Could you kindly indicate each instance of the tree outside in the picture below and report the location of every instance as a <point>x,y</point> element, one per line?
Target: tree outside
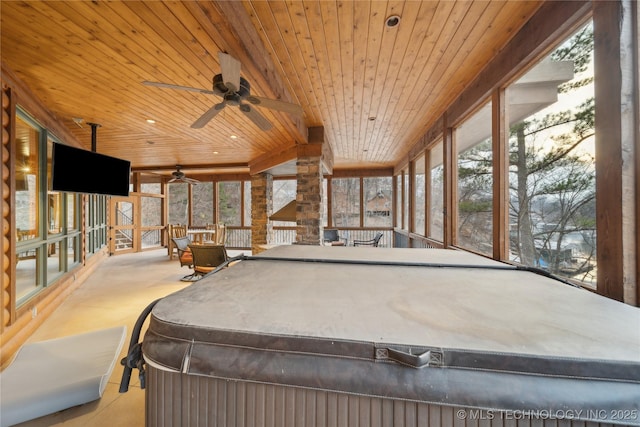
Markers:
<point>345,202</point>
<point>552,173</point>
<point>229,202</point>
<point>203,209</point>
<point>378,202</point>
<point>551,167</point>
<point>475,183</point>
<point>178,203</point>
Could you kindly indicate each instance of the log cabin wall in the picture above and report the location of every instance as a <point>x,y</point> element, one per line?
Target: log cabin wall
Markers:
<point>6,249</point>
<point>18,323</point>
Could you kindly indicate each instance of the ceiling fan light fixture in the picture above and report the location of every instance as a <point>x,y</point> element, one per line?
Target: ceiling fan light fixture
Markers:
<point>392,21</point>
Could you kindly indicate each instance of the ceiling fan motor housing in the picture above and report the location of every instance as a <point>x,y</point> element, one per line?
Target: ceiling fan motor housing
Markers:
<point>221,89</point>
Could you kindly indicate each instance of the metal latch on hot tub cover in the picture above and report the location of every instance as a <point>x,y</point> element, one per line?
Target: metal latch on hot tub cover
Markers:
<point>426,358</point>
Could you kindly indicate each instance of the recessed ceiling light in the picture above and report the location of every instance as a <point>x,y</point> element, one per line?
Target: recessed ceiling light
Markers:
<point>215,152</point>
<point>151,121</point>
<point>392,21</point>
<point>234,137</point>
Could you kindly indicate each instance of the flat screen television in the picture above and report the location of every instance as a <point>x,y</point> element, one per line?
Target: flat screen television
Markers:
<point>83,171</point>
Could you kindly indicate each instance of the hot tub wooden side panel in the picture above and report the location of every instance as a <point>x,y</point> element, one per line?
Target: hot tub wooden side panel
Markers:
<point>180,400</point>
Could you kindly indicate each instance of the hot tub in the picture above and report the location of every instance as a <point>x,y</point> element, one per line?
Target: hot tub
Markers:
<point>343,336</point>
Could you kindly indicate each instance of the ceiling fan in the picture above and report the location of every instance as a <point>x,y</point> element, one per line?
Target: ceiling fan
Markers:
<point>178,176</point>
<point>235,91</point>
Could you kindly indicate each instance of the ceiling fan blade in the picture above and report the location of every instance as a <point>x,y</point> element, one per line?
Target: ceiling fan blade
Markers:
<point>274,104</point>
<point>191,181</point>
<point>170,86</point>
<point>230,68</point>
<point>256,117</point>
<point>208,115</point>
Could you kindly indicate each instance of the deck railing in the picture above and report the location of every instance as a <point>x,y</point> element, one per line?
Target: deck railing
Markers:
<point>151,238</point>
<point>240,237</point>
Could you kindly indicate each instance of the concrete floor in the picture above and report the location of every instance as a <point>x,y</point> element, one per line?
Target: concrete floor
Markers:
<point>114,295</point>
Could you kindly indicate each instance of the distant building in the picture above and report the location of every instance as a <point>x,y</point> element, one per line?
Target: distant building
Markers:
<point>378,205</point>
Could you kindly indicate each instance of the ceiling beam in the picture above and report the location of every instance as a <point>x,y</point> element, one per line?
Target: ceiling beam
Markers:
<point>316,147</point>
<point>207,166</point>
<point>271,160</point>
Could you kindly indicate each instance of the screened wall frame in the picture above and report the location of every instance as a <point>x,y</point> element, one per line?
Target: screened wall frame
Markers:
<point>360,204</point>
<point>420,180</point>
<point>363,180</point>
<point>419,199</point>
<point>491,86</point>
<point>500,149</point>
<point>239,231</point>
<point>399,200</point>
<point>402,198</point>
<point>95,223</point>
<point>238,225</point>
<point>435,208</point>
<point>471,143</point>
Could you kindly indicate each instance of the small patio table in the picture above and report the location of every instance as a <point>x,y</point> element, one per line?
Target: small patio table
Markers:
<point>200,236</point>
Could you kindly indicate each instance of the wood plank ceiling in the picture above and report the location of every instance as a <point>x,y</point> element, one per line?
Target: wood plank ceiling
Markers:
<point>375,89</point>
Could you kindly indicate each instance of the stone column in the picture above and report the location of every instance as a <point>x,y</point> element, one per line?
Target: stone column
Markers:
<point>309,199</point>
<point>312,159</point>
<point>261,209</point>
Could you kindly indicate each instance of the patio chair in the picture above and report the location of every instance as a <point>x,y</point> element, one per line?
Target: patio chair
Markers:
<point>206,258</point>
<point>175,230</point>
<point>185,256</point>
<point>184,252</point>
<point>332,238</point>
<point>373,242</point>
<point>221,234</point>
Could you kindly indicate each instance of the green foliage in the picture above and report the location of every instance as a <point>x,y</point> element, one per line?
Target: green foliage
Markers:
<point>471,207</point>
<point>584,118</point>
<point>476,163</point>
<point>573,85</point>
<point>585,223</point>
<point>578,49</point>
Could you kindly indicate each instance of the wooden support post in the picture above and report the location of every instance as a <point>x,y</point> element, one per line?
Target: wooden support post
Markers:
<point>616,87</point>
